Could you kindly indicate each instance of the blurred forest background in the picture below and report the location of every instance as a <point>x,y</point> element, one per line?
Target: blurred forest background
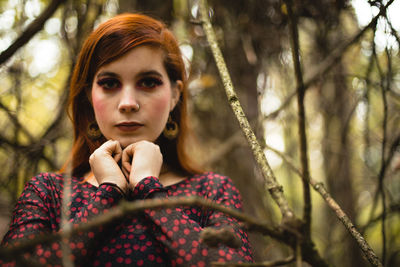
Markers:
<point>352,76</point>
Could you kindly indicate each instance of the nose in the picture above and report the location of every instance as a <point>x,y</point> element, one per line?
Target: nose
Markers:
<point>128,101</point>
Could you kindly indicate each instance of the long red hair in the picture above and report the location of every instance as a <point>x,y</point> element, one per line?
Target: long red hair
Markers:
<point>111,40</point>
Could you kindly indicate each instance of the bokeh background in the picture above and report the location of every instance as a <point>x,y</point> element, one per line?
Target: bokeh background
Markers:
<point>352,111</point>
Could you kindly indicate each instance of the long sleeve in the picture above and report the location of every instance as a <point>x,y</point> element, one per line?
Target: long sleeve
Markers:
<point>159,238</point>
<point>38,212</point>
<point>179,229</point>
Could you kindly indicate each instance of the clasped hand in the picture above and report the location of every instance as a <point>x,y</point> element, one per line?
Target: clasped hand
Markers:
<point>138,160</point>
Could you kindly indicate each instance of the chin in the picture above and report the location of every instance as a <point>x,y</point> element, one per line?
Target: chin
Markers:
<point>124,142</point>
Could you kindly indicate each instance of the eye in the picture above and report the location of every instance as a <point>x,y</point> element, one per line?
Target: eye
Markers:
<point>109,83</point>
<point>149,82</point>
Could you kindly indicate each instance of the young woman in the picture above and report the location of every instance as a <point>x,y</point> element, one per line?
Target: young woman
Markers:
<point>128,108</point>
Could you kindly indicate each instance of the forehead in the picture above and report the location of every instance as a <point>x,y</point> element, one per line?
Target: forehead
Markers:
<point>140,58</point>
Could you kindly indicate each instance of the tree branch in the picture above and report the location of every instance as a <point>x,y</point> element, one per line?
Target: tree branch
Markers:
<point>301,118</point>
<point>66,225</point>
<point>274,188</point>
<point>290,223</point>
<point>126,208</point>
<point>393,208</point>
<point>335,56</point>
<point>382,171</point>
<point>14,120</point>
<point>331,60</point>
<point>30,31</point>
<point>257,264</point>
<point>320,188</point>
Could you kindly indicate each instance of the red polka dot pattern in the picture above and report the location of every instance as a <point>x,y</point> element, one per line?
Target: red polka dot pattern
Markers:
<point>164,237</point>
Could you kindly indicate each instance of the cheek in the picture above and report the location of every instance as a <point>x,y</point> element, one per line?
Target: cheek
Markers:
<point>98,106</point>
<point>161,106</point>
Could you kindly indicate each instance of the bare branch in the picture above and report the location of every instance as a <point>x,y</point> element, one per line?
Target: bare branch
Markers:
<point>15,121</point>
<point>332,59</point>
<point>66,225</point>
<point>285,104</point>
<point>335,56</point>
<point>320,188</point>
<point>274,188</point>
<point>31,30</point>
<point>126,208</point>
<point>382,171</point>
<point>257,264</point>
<point>392,209</point>
<point>301,117</point>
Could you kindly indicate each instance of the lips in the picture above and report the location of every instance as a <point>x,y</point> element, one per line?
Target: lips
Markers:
<point>129,126</point>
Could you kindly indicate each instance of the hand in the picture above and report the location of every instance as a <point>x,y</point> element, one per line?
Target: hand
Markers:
<point>140,160</point>
<point>104,164</point>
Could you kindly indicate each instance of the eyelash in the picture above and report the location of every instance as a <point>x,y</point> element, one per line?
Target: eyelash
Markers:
<point>155,82</point>
<point>111,83</point>
<point>105,83</point>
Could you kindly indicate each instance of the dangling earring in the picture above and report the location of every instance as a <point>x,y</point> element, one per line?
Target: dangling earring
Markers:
<point>171,129</point>
<point>93,131</point>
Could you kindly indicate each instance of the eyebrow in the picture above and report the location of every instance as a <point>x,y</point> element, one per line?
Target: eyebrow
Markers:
<point>150,72</point>
<point>140,74</point>
<point>106,73</point>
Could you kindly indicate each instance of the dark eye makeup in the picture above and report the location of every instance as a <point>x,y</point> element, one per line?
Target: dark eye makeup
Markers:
<point>109,83</point>
<point>146,82</point>
<point>149,82</point>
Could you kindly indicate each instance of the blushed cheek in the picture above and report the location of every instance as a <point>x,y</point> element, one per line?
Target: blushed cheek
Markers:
<point>161,106</point>
<point>98,106</point>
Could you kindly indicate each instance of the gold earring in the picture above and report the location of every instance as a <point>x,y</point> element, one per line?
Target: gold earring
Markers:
<point>171,129</point>
<point>93,131</point>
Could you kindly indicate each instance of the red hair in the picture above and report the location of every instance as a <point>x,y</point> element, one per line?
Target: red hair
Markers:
<point>110,41</point>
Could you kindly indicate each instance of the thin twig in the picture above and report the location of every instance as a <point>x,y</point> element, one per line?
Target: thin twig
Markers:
<point>383,168</point>
<point>14,120</point>
<point>392,209</point>
<point>332,59</point>
<point>66,225</point>
<point>380,189</point>
<point>301,118</point>
<point>320,188</point>
<point>257,264</point>
<point>366,100</point>
<point>282,107</point>
<point>336,54</point>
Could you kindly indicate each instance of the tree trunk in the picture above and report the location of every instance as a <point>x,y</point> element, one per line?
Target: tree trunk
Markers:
<point>337,153</point>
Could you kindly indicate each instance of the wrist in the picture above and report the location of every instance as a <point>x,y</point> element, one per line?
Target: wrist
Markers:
<point>138,177</point>
<point>122,190</point>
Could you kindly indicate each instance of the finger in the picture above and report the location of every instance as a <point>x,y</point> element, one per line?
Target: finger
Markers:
<point>117,154</point>
<point>113,149</point>
<point>107,147</point>
<point>127,155</point>
<point>126,166</point>
<point>126,173</point>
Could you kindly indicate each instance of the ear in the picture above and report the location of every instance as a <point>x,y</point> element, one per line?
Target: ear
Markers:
<point>176,93</point>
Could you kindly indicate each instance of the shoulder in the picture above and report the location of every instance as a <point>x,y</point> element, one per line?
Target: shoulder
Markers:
<point>47,179</point>
<point>221,189</point>
<point>218,184</point>
<point>213,178</point>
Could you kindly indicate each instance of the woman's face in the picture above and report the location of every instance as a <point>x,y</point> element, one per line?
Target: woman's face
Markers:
<point>133,96</point>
